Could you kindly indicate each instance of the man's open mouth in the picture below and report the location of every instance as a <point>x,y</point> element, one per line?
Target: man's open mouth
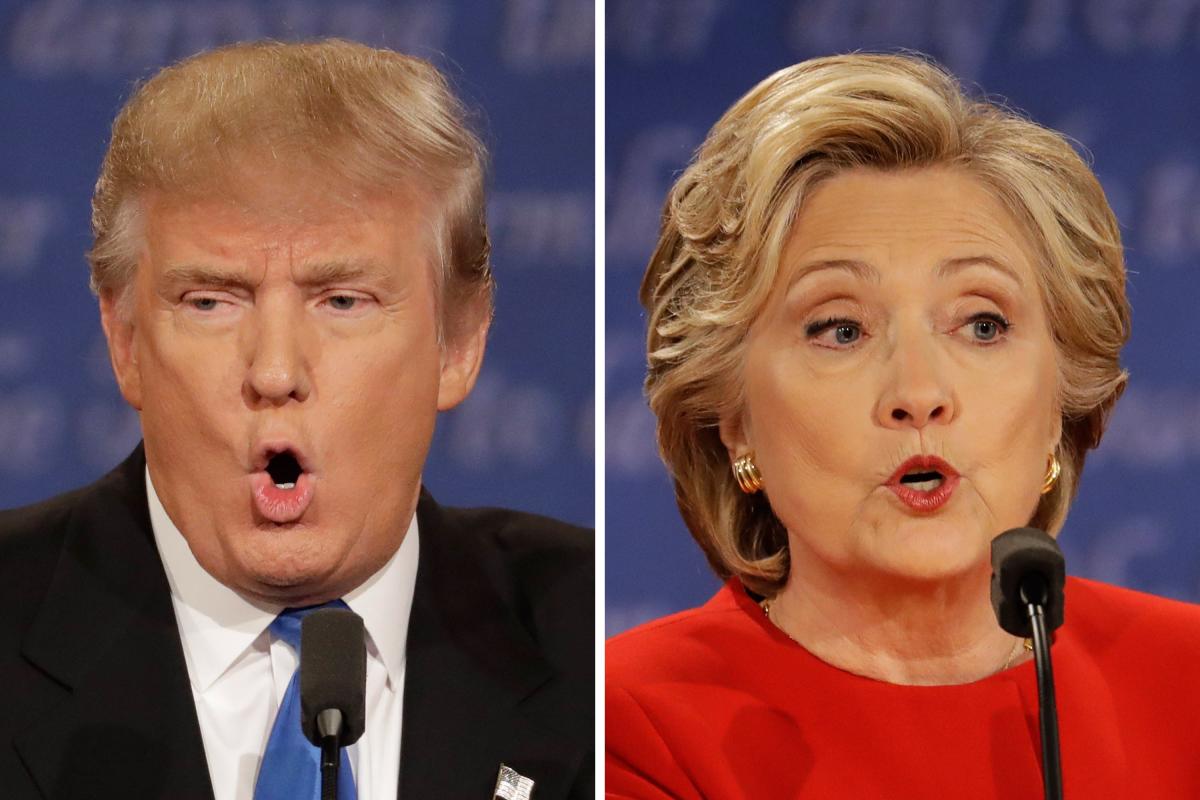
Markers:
<point>283,484</point>
<point>284,469</point>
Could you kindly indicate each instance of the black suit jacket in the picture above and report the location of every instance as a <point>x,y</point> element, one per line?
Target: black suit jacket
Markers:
<point>95,700</point>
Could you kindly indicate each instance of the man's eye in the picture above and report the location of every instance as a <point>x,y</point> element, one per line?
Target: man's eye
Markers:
<point>217,305</point>
<point>204,303</point>
<point>343,302</point>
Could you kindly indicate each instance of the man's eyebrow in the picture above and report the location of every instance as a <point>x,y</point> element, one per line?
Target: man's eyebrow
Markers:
<point>326,272</point>
<point>952,265</point>
<point>205,275</point>
<point>317,274</point>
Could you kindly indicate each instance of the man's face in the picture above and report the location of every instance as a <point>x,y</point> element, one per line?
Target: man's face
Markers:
<point>288,375</point>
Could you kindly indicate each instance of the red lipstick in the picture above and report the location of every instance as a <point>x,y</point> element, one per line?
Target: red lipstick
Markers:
<point>924,483</point>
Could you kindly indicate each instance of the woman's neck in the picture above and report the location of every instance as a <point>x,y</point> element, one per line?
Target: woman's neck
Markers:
<point>896,630</point>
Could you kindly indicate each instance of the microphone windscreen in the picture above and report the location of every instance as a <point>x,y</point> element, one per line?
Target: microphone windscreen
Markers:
<point>1029,558</point>
<point>333,672</point>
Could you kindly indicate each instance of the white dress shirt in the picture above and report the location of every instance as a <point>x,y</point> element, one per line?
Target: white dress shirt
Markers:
<point>239,671</point>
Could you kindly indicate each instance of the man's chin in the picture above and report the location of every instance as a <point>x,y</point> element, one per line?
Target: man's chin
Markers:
<point>290,576</point>
<point>292,588</point>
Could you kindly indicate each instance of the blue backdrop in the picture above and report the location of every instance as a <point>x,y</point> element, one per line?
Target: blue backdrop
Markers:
<point>525,437</point>
<point>1120,76</point>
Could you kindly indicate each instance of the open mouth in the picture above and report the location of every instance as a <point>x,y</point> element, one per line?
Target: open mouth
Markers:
<point>924,483</point>
<point>284,470</point>
<point>922,480</point>
<point>283,485</point>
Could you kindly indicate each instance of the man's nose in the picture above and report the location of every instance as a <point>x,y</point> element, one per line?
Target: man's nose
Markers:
<point>279,366</point>
<point>918,391</point>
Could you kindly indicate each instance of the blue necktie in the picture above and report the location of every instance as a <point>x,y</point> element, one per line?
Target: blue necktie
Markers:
<point>291,766</point>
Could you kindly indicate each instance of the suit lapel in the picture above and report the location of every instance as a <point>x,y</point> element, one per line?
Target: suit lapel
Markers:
<point>475,683</point>
<point>106,632</point>
<point>476,687</point>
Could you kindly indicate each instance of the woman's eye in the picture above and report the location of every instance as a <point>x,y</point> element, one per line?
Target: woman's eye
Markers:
<point>835,332</point>
<point>988,327</point>
<point>846,334</point>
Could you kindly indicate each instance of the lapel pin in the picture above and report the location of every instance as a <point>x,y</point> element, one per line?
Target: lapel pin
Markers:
<point>512,785</point>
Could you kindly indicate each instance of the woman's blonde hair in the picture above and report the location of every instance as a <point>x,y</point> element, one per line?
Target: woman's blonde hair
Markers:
<point>726,220</point>
<point>354,118</point>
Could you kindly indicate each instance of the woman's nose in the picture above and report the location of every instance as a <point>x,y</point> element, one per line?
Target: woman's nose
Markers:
<point>279,370</point>
<point>917,391</point>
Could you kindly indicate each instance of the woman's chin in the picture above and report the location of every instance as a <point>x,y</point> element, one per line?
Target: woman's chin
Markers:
<point>930,550</point>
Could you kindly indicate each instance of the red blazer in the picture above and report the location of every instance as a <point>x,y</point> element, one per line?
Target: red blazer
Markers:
<point>717,703</point>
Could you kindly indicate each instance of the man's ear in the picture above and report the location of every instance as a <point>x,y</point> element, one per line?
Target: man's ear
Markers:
<point>462,356</point>
<point>116,317</point>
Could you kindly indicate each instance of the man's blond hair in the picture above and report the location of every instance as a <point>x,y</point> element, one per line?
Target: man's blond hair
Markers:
<point>359,119</point>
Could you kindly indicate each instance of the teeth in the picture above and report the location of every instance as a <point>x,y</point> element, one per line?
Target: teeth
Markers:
<point>288,486</point>
<point>925,486</point>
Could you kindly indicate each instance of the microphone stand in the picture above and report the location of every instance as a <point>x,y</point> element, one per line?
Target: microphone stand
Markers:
<point>329,723</point>
<point>1033,595</point>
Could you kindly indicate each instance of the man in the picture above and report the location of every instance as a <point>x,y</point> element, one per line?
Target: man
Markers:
<point>292,265</point>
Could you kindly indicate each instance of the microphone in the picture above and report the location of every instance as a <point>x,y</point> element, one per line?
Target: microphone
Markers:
<point>1028,574</point>
<point>333,678</point>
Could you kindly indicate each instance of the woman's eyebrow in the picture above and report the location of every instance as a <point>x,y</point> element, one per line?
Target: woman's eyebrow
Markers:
<point>952,265</point>
<point>857,268</point>
<point>865,271</point>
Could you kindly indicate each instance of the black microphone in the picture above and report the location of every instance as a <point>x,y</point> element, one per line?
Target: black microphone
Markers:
<point>333,680</point>
<point>1028,574</point>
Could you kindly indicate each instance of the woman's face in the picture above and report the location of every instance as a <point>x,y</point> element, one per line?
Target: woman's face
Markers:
<point>905,322</point>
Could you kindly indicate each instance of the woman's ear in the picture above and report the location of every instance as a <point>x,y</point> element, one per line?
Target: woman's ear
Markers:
<point>733,429</point>
<point>1056,431</point>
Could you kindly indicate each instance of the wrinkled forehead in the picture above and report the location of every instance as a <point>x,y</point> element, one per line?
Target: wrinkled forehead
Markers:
<point>866,204</point>
<point>927,216</point>
<point>270,209</point>
<point>289,187</point>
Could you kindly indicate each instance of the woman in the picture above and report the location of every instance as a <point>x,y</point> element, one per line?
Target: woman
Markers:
<point>884,327</point>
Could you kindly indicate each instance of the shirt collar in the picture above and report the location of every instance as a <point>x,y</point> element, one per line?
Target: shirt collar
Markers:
<point>217,625</point>
<point>384,601</point>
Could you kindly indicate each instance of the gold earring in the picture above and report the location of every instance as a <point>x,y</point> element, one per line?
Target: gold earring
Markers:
<point>1053,470</point>
<point>747,474</point>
